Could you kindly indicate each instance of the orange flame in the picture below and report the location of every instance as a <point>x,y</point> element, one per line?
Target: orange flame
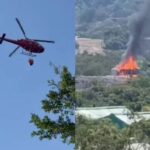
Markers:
<point>128,66</point>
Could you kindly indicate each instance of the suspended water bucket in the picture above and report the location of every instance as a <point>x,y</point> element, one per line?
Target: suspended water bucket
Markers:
<point>31,62</point>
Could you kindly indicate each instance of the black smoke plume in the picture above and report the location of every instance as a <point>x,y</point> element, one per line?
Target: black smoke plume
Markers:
<point>140,31</point>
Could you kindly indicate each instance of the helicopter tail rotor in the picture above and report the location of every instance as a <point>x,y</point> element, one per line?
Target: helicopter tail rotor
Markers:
<point>2,38</point>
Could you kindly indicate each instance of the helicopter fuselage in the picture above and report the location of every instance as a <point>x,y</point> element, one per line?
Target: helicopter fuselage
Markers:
<point>28,45</point>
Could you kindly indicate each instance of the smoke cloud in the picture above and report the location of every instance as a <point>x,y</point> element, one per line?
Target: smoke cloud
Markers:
<point>140,31</point>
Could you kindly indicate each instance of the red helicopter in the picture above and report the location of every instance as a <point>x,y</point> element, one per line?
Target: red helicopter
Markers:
<point>29,45</point>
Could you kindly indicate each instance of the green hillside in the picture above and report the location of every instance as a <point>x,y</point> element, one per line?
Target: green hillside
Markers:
<point>109,20</point>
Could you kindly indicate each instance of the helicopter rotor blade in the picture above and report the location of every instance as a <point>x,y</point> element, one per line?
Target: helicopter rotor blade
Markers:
<point>21,27</point>
<point>14,51</point>
<point>43,41</point>
<point>2,38</point>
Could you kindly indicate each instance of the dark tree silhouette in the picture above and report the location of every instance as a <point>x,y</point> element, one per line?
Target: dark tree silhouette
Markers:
<point>60,103</point>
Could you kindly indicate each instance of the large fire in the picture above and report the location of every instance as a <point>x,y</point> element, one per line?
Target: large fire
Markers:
<point>128,67</point>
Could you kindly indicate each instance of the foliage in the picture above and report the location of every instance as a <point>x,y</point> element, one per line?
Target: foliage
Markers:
<point>93,65</point>
<point>115,37</point>
<point>97,135</point>
<point>102,134</point>
<point>96,18</point>
<point>140,131</point>
<point>60,103</point>
<point>134,94</point>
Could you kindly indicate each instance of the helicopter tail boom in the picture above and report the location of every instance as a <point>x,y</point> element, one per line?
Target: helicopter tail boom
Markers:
<point>2,38</point>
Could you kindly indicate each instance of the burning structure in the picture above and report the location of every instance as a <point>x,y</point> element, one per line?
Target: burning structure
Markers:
<point>128,66</point>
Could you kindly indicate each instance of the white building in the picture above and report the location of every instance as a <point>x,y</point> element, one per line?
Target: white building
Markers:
<point>118,114</point>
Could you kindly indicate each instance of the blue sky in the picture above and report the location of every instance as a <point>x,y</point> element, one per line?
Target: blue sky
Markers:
<point>23,87</point>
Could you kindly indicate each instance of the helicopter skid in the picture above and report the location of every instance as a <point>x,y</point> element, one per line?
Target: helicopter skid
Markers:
<point>28,54</point>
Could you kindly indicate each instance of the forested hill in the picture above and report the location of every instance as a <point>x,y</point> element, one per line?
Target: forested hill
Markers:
<point>109,20</point>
